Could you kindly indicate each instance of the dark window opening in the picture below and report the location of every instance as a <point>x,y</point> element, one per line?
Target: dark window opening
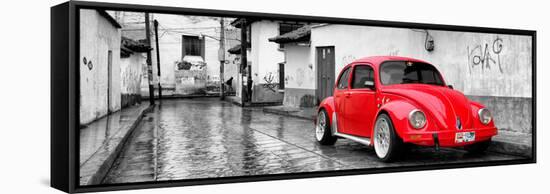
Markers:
<point>343,81</point>
<point>192,45</point>
<point>281,76</point>
<point>362,74</point>
<point>404,72</point>
<point>248,36</point>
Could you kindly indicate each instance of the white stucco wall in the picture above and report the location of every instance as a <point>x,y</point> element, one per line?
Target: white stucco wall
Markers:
<point>172,27</point>
<point>264,55</point>
<point>97,37</point>
<point>453,55</point>
<point>131,71</point>
<point>299,71</point>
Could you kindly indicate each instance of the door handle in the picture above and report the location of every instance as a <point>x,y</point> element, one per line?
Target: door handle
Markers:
<point>348,95</point>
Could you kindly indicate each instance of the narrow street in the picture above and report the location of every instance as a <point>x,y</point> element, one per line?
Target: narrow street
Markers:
<point>207,138</point>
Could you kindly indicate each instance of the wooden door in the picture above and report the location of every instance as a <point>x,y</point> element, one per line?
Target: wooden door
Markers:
<point>109,80</point>
<point>325,72</point>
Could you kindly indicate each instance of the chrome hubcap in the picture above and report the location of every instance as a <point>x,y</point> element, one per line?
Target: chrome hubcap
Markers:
<point>381,137</point>
<point>321,125</point>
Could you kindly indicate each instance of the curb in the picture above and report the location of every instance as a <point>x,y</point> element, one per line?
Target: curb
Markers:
<point>287,113</point>
<point>104,168</point>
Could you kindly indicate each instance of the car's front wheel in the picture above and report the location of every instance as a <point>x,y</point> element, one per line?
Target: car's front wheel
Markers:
<point>478,148</point>
<point>386,141</point>
<point>323,132</point>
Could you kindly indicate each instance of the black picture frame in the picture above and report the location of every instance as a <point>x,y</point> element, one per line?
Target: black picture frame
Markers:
<point>65,88</point>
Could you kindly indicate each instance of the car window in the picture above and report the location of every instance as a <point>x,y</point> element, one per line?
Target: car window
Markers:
<point>343,81</point>
<point>404,72</point>
<point>361,74</point>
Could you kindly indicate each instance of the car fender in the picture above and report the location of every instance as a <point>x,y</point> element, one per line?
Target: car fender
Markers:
<point>328,105</point>
<point>398,110</point>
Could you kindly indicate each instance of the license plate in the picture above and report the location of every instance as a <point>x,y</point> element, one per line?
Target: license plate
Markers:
<point>462,137</point>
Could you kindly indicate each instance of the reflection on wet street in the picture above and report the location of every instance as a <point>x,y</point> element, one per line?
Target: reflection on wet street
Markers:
<point>206,138</point>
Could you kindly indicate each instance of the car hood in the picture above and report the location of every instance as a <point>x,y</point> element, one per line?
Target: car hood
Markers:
<point>442,104</point>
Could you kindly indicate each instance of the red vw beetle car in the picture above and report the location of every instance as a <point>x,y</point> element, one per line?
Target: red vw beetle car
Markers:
<point>389,101</point>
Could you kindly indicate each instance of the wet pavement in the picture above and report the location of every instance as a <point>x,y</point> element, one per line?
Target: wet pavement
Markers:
<point>207,138</point>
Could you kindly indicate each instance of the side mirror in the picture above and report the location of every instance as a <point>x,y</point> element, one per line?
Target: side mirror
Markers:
<point>451,86</point>
<point>369,84</point>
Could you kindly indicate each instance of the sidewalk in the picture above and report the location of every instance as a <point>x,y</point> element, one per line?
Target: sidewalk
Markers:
<point>102,140</point>
<point>237,101</point>
<point>519,144</point>
<point>505,142</point>
<point>308,113</point>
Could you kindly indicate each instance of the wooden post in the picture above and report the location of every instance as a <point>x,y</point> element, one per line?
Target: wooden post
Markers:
<point>244,64</point>
<point>156,23</point>
<point>149,62</point>
<point>221,55</point>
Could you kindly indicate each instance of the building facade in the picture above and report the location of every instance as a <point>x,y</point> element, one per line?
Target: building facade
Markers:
<point>265,59</point>
<point>133,67</point>
<point>490,68</point>
<point>176,34</point>
<point>100,88</point>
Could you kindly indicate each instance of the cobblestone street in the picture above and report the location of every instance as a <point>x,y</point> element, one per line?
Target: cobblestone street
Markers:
<point>206,138</point>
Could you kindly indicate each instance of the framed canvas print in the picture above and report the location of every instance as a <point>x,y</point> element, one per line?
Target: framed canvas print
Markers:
<point>149,96</point>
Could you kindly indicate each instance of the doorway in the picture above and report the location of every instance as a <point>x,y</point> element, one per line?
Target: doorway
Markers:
<point>109,79</point>
<point>325,72</point>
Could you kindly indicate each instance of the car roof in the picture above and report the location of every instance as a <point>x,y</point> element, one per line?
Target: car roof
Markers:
<point>377,60</point>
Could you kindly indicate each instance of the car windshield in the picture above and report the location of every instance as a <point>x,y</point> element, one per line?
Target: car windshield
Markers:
<point>405,72</point>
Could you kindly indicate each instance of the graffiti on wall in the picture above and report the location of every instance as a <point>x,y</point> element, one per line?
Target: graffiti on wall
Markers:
<point>270,83</point>
<point>394,53</point>
<point>348,59</point>
<point>485,56</point>
<point>301,76</point>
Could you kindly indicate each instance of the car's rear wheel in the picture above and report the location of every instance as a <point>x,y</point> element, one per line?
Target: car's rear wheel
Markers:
<point>386,141</point>
<point>478,148</point>
<point>323,133</point>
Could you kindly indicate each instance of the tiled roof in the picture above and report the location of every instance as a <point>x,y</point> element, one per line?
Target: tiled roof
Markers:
<point>298,35</point>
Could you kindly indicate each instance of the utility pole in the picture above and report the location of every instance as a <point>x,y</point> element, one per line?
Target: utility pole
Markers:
<point>221,55</point>
<point>244,64</point>
<point>156,23</point>
<point>149,62</point>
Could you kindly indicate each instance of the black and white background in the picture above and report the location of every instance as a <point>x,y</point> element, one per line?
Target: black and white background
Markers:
<point>26,93</point>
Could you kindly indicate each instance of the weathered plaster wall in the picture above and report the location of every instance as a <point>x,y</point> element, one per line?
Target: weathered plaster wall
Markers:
<point>493,69</point>
<point>299,97</point>
<point>265,57</point>
<point>232,61</point>
<point>510,113</point>
<point>97,37</point>
<point>299,77</point>
<point>190,82</point>
<point>474,63</point>
<point>299,72</point>
<point>131,70</point>
<point>171,28</point>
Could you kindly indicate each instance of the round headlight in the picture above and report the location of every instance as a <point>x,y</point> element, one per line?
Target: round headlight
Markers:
<point>485,116</point>
<point>417,119</point>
